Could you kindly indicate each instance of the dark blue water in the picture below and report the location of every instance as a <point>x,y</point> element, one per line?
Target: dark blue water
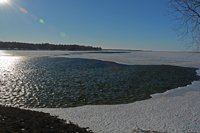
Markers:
<point>66,82</point>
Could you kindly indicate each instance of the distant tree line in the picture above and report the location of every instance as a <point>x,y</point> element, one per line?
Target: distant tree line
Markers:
<point>44,46</point>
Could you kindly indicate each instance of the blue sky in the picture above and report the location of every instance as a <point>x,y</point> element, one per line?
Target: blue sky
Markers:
<point>117,24</point>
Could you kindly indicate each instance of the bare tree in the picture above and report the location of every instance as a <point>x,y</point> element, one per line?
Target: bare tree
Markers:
<point>186,13</point>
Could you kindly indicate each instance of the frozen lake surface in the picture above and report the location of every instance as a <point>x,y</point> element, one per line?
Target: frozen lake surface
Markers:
<point>61,79</point>
<point>173,111</point>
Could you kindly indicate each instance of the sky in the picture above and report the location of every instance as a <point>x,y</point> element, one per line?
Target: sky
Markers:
<point>110,24</point>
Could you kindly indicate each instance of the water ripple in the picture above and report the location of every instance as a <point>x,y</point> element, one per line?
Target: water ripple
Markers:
<point>65,82</point>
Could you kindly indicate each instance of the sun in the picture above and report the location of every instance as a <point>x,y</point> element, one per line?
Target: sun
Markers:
<point>3,1</point>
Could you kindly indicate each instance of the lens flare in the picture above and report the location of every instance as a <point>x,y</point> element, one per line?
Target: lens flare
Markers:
<point>23,10</point>
<point>34,17</point>
<point>41,21</point>
<point>3,1</point>
<point>62,34</point>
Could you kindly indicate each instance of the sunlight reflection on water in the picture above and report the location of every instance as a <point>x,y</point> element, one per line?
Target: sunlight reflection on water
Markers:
<point>8,61</point>
<point>9,68</point>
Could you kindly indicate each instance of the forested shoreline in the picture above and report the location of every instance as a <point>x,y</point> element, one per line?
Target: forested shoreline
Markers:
<point>44,46</point>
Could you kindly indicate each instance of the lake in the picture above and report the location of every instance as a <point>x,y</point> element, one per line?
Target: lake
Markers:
<point>54,79</point>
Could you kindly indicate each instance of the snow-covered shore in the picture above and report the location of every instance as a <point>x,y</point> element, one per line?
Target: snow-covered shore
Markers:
<point>173,111</point>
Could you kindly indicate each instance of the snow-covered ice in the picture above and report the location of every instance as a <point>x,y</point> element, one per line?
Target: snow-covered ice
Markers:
<point>174,111</point>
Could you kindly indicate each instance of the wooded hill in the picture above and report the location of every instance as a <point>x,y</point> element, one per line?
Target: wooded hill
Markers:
<point>44,46</point>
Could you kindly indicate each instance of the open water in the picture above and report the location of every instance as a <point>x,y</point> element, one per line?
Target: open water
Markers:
<point>68,79</point>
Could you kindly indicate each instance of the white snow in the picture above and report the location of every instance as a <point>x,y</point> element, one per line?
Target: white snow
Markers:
<point>176,111</point>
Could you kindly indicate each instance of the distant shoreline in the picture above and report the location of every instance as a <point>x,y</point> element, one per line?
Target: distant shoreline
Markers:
<point>44,46</point>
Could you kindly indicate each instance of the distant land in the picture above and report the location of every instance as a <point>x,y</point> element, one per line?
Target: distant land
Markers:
<point>122,50</point>
<point>44,46</point>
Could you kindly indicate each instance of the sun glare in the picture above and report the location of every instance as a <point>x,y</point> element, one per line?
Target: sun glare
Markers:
<point>3,1</point>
